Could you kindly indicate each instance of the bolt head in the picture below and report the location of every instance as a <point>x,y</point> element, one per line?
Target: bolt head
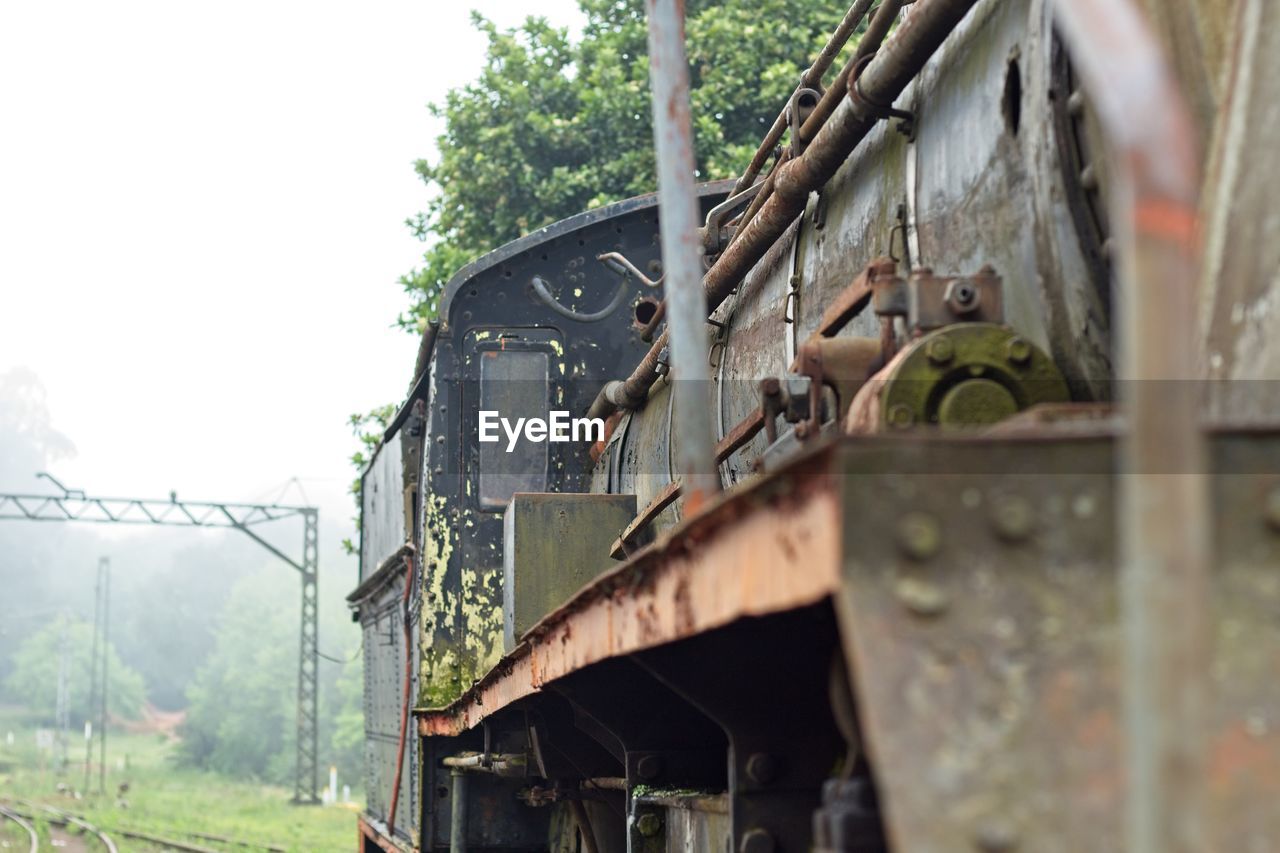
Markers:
<point>757,840</point>
<point>962,296</point>
<point>1019,351</point>
<point>762,768</point>
<point>1013,519</point>
<point>921,597</point>
<point>900,416</point>
<point>648,824</point>
<point>919,535</point>
<point>940,350</point>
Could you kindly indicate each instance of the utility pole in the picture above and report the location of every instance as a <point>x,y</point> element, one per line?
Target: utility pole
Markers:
<point>75,505</point>
<point>104,568</point>
<point>93,680</point>
<point>62,714</point>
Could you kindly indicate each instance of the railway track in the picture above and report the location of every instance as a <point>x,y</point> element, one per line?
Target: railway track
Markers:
<point>22,823</point>
<point>59,817</point>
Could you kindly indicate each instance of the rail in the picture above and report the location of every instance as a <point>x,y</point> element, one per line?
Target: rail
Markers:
<point>61,817</point>
<point>24,825</point>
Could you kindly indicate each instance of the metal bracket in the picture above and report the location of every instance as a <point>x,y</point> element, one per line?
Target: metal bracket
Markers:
<point>799,108</point>
<point>715,233</point>
<point>868,110</point>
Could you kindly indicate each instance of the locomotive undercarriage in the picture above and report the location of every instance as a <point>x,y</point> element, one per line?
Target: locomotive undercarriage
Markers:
<point>960,592</point>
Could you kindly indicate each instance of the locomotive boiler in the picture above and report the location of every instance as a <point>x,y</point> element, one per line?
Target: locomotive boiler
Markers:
<point>957,335</point>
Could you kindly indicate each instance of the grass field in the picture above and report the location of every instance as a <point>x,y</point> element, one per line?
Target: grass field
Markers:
<point>162,799</point>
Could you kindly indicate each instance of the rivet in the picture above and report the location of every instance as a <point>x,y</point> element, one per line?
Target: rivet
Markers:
<point>923,598</point>
<point>762,768</point>
<point>649,824</point>
<point>757,841</point>
<point>919,535</point>
<point>649,767</point>
<point>1012,518</point>
<point>940,350</point>
<point>1273,509</point>
<point>1019,351</point>
<point>901,416</point>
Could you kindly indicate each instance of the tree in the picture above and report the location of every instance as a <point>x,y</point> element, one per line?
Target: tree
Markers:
<point>242,712</point>
<point>243,699</point>
<point>368,428</point>
<point>34,679</point>
<point>552,126</point>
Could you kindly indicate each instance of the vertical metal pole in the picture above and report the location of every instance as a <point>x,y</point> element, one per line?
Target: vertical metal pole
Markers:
<point>1163,510</point>
<point>457,812</point>
<point>306,779</point>
<point>106,659</point>
<point>681,250</point>
<point>63,711</point>
<point>93,678</point>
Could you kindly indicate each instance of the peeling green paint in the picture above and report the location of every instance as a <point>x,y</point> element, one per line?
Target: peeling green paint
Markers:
<point>438,671</point>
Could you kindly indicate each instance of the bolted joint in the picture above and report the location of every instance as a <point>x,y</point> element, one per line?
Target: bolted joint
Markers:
<point>762,768</point>
<point>648,824</point>
<point>919,535</point>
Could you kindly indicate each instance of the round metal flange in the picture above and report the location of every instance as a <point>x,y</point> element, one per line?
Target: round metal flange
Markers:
<point>989,373</point>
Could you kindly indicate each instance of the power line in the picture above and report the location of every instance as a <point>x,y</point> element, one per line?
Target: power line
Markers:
<point>75,505</point>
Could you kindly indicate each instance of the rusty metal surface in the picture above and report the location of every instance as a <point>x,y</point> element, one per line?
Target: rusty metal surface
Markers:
<point>733,441</point>
<point>381,614</point>
<point>681,249</point>
<point>374,832</point>
<point>1163,518</point>
<point>885,16</point>
<point>1008,213</point>
<point>976,584</point>
<point>719,567</point>
<point>986,684</point>
<point>1241,278</point>
<point>754,346</point>
<point>981,617</point>
<point>810,79</point>
<point>882,81</point>
<point>974,183</point>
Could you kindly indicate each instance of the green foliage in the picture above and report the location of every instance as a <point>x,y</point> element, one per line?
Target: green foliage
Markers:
<point>368,429</point>
<point>552,126</point>
<point>242,716</point>
<point>34,678</point>
<point>243,698</point>
<point>170,801</point>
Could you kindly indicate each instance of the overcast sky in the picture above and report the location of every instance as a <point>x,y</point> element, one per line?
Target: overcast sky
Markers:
<point>201,210</point>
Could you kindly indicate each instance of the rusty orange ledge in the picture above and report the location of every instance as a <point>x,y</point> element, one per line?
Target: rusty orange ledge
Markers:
<point>376,832</point>
<point>770,546</point>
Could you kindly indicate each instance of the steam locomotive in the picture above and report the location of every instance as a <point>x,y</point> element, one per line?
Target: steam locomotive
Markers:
<point>900,625</point>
